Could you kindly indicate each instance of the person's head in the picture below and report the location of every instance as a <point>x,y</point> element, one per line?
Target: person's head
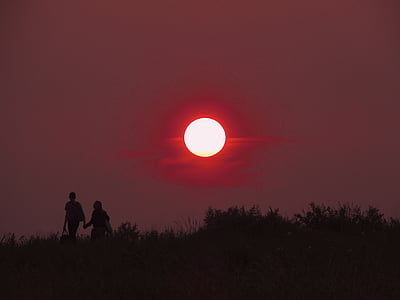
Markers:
<point>97,205</point>
<point>72,196</point>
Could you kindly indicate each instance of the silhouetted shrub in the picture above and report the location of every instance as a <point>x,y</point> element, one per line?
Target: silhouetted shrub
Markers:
<point>347,217</point>
<point>274,221</point>
<point>372,219</point>
<point>150,235</point>
<point>240,219</point>
<point>127,231</point>
<point>233,218</point>
<point>9,240</point>
<point>394,224</point>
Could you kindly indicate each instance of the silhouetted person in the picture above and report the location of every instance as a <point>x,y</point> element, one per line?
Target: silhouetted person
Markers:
<point>100,221</point>
<point>73,215</point>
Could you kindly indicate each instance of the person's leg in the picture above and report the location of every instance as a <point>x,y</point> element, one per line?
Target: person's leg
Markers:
<point>93,234</point>
<point>102,232</point>
<point>72,229</point>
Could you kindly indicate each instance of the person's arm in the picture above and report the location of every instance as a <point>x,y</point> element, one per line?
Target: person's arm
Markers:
<point>65,218</point>
<point>65,223</point>
<point>86,225</point>
<point>83,214</point>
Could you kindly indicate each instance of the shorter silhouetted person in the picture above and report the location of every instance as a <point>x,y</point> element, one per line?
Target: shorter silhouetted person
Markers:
<point>73,216</point>
<point>100,221</point>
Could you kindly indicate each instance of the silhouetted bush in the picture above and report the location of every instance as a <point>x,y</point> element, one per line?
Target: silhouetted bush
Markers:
<point>234,218</point>
<point>240,219</point>
<point>9,240</point>
<point>154,235</point>
<point>347,217</point>
<point>127,231</point>
<point>394,224</point>
<point>273,220</point>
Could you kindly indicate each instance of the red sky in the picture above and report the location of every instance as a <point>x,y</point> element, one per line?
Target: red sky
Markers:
<point>93,94</point>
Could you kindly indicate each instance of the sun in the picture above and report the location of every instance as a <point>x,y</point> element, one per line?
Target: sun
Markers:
<point>204,137</point>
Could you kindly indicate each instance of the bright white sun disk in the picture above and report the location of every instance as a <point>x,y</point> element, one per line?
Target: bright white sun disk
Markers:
<point>204,137</point>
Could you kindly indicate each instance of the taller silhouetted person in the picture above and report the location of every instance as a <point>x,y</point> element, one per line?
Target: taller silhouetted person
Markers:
<point>73,215</point>
<point>100,221</point>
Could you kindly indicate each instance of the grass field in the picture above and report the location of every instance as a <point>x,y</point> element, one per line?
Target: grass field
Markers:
<point>321,253</point>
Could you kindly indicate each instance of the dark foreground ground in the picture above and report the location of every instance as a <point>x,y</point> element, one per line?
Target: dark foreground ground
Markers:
<point>236,254</point>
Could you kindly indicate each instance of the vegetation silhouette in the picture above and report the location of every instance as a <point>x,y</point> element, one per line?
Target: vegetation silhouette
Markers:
<point>323,252</point>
